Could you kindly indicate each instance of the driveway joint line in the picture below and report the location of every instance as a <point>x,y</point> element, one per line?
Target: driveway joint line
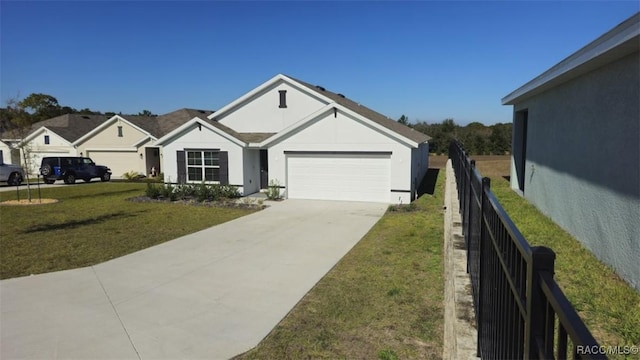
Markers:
<point>116,312</point>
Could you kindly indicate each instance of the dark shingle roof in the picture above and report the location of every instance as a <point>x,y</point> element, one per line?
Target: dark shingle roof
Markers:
<point>246,137</point>
<point>71,127</point>
<point>161,125</point>
<point>372,115</point>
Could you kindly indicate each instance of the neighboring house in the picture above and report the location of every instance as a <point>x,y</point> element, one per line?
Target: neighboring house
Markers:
<point>126,143</point>
<point>6,152</point>
<point>314,143</point>
<point>576,146</point>
<point>56,137</point>
<point>118,143</point>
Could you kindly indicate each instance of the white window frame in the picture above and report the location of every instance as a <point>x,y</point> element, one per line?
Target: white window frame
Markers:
<point>202,164</point>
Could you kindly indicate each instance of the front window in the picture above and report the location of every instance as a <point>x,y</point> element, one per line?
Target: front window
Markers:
<point>203,166</point>
<point>46,140</point>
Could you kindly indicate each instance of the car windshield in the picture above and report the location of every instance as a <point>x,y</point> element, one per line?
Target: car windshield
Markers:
<point>87,161</point>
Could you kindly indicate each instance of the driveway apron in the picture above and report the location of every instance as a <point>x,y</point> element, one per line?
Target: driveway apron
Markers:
<point>208,295</point>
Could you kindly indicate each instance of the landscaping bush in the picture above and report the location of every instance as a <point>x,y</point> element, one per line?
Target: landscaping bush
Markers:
<point>205,192</point>
<point>153,191</point>
<point>131,175</point>
<point>273,191</point>
<point>168,192</point>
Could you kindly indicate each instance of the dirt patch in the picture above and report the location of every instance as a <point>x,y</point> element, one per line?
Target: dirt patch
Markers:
<point>26,202</point>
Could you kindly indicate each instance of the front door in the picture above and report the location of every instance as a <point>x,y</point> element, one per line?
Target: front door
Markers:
<point>264,169</point>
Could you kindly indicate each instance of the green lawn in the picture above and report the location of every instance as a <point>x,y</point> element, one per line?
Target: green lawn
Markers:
<point>90,224</point>
<point>608,305</point>
<point>383,300</point>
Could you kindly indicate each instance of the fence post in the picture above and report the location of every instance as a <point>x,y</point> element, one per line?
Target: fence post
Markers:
<point>542,259</point>
<point>486,188</point>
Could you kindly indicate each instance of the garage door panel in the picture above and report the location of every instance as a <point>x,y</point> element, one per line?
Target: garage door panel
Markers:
<point>118,162</point>
<point>361,177</point>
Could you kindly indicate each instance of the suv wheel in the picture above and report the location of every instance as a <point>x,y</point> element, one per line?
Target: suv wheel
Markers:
<point>70,179</point>
<point>15,179</point>
<point>46,170</point>
<point>105,177</point>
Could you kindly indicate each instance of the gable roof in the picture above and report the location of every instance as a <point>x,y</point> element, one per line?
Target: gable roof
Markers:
<point>164,124</point>
<point>154,126</point>
<point>370,114</point>
<point>70,127</point>
<point>328,97</point>
<point>618,42</point>
<point>237,137</point>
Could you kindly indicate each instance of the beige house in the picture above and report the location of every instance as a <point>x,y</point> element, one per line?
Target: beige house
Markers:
<point>125,143</point>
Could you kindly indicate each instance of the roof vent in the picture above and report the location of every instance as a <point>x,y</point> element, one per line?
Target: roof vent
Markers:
<point>319,88</point>
<point>342,96</point>
<point>85,117</point>
<point>202,111</point>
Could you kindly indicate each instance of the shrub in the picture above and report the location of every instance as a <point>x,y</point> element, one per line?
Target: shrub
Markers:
<point>273,191</point>
<point>131,175</point>
<point>153,191</point>
<point>168,191</point>
<point>202,191</point>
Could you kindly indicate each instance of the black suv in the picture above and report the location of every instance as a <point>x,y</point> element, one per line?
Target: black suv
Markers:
<point>71,168</point>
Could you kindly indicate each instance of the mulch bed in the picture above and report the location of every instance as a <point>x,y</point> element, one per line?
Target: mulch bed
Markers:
<point>26,202</point>
<point>228,203</point>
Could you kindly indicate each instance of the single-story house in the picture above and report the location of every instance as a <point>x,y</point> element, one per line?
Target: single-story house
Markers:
<point>313,143</point>
<point>576,146</point>
<point>6,152</point>
<point>56,137</point>
<point>125,143</point>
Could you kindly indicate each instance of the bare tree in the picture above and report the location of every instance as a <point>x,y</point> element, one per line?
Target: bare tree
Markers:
<point>20,123</point>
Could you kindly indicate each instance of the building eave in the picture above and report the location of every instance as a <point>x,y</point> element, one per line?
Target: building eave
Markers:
<point>620,41</point>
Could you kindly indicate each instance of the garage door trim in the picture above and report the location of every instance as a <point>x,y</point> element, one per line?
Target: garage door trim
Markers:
<point>326,191</point>
<point>287,152</point>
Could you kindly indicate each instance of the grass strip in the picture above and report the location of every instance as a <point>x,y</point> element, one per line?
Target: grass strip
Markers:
<point>607,304</point>
<point>383,300</point>
<point>90,224</point>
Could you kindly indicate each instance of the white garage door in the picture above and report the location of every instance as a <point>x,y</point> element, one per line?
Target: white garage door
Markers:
<point>119,162</point>
<point>339,176</point>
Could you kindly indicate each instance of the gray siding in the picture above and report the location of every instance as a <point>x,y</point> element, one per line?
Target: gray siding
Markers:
<point>583,161</point>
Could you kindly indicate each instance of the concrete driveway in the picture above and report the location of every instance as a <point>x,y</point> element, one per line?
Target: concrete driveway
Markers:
<point>209,295</point>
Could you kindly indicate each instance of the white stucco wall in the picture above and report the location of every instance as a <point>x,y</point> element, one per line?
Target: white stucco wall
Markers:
<point>57,146</point>
<point>583,152</point>
<point>344,133</point>
<point>262,112</point>
<point>193,138</point>
<point>420,161</point>
<point>6,153</point>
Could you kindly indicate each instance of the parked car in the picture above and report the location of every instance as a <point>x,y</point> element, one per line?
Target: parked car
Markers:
<point>71,168</point>
<point>11,174</point>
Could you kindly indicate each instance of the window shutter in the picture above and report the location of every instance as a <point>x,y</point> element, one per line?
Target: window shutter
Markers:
<point>224,167</point>
<point>182,168</point>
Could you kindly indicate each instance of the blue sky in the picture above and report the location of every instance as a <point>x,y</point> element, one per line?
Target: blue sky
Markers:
<point>426,59</point>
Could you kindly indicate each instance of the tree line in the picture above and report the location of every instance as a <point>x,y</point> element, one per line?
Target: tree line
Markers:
<point>37,107</point>
<point>477,138</point>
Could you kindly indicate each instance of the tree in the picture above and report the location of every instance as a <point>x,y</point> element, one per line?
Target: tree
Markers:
<point>41,106</point>
<point>146,113</point>
<point>403,120</point>
<point>20,123</point>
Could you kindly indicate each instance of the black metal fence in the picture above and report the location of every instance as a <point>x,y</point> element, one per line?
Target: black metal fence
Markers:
<point>521,313</point>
